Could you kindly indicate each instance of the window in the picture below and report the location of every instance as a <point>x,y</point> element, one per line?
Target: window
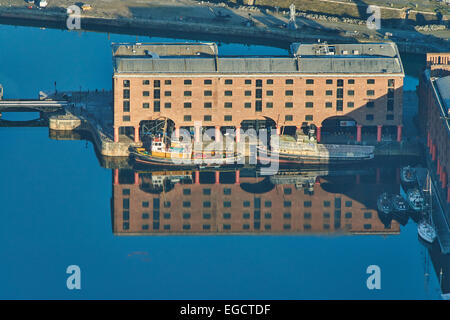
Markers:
<point>167,227</point>
<point>370,92</point>
<point>207,93</point>
<point>348,215</point>
<point>391,82</point>
<point>145,204</point>
<point>156,94</point>
<point>206,204</point>
<point>258,93</point>
<point>206,192</point>
<point>269,93</point>
<point>269,81</point>
<point>351,92</point>
<point>227,191</point>
<point>146,93</point>
<point>126,118</point>
<point>340,83</point>
<point>228,118</point>
<point>390,93</point>
<point>227,216</point>
<point>269,105</point>
<point>186,204</point>
<point>309,104</point>
<point>307,215</point>
<point>369,117</point>
<point>287,215</point>
<point>188,105</point>
<point>228,93</point>
<point>228,105</point>
<point>228,81</point>
<point>187,118</point>
<point>126,83</point>
<point>288,105</point>
<point>126,106</point>
<point>328,105</point>
<point>326,203</point>
<point>186,227</point>
<point>390,105</point>
<point>350,104</point>
<point>227,204</point>
<point>167,82</point>
<point>157,106</point>
<point>166,215</point>
<point>187,82</point>
<point>289,81</point>
<point>145,82</point>
<point>287,204</point>
<point>288,118</point>
<point>370,104</point>
<point>389,117</point>
<point>156,83</point>
<point>207,81</point>
<point>186,215</point>
<point>329,81</point>
<point>188,93</point>
<point>207,216</point>
<point>367,215</point>
<point>289,93</point>
<point>308,117</point>
<point>309,92</point>
<point>268,215</point>
<point>167,93</point>
<point>339,105</point>
<point>340,93</point>
<point>348,204</point>
<point>309,81</point>
<point>248,93</point>
<point>258,83</point>
<point>167,204</point>
<point>258,106</point>
<point>126,94</point>
<point>370,81</point>
<point>248,81</point>
<point>126,192</point>
<point>207,105</point>
<point>268,204</point>
<point>329,92</point>
<point>351,81</point>
<point>246,204</point>
<point>247,105</point>
<point>167,105</point>
<point>187,192</point>
<point>207,118</point>
<point>287,191</point>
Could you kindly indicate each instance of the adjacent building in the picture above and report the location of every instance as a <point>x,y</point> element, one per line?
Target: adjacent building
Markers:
<point>320,85</point>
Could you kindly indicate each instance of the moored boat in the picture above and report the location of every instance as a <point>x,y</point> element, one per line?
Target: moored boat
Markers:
<point>176,154</point>
<point>290,151</point>
<point>426,232</point>
<point>399,204</point>
<point>415,199</point>
<point>384,203</point>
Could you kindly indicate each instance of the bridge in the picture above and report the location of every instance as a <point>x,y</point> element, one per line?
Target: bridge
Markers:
<point>32,105</point>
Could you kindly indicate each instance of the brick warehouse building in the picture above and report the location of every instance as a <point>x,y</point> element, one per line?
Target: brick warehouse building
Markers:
<point>317,84</point>
<point>186,202</point>
<point>434,105</point>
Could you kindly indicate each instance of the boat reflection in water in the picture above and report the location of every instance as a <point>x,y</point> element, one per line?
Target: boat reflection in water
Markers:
<point>243,202</point>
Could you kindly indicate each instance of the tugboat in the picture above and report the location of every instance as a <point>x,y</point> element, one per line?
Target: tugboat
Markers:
<point>399,204</point>
<point>177,154</point>
<point>384,204</point>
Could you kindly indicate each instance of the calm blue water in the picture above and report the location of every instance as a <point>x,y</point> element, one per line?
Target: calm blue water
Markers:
<point>55,206</point>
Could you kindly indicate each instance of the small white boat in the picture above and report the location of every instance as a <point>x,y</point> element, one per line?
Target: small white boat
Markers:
<point>43,3</point>
<point>426,232</point>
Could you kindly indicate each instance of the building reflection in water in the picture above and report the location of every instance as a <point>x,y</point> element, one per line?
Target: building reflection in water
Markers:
<point>242,202</point>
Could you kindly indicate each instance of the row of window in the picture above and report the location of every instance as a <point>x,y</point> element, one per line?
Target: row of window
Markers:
<point>245,215</point>
<point>256,226</point>
<point>258,82</point>
<point>258,94</point>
